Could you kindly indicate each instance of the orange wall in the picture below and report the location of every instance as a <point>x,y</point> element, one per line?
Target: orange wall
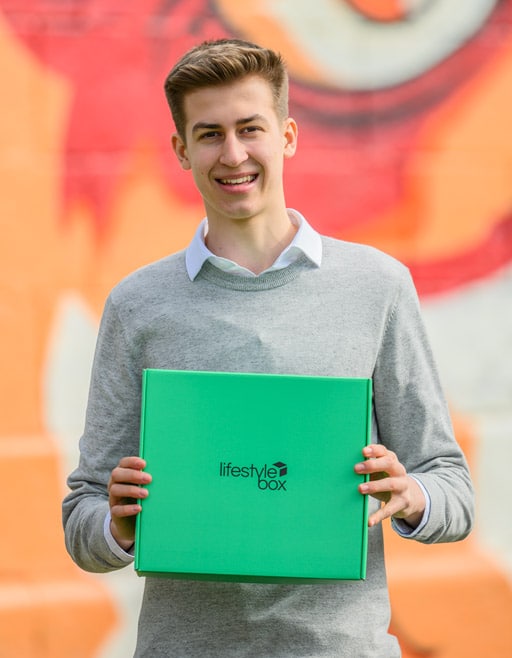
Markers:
<point>88,191</point>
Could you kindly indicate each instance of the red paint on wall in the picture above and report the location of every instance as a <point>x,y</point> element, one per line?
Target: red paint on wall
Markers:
<point>354,147</point>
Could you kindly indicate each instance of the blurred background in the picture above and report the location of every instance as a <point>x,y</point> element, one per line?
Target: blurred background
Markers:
<point>404,109</point>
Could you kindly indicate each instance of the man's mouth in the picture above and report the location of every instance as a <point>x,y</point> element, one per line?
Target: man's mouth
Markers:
<point>240,180</point>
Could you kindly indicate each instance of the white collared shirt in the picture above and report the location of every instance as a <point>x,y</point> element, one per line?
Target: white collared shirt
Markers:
<point>306,241</point>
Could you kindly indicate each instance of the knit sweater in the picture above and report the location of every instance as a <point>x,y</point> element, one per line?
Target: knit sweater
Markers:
<point>355,316</point>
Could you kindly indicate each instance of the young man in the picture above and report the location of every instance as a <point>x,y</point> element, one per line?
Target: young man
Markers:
<point>258,290</point>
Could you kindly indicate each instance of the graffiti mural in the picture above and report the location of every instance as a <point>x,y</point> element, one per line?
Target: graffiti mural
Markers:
<point>403,110</point>
<point>389,94</point>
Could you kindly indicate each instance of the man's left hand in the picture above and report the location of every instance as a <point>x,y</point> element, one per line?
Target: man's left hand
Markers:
<point>390,483</point>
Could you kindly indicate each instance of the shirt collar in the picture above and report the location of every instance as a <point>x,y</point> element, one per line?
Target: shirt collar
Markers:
<point>306,241</point>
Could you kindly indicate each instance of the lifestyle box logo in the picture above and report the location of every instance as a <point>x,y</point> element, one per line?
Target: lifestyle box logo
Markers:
<point>268,478</point>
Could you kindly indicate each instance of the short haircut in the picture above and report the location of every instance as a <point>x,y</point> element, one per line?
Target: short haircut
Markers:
<point>220,62</point>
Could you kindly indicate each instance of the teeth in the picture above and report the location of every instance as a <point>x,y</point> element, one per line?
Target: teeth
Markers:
<point>237,181</point>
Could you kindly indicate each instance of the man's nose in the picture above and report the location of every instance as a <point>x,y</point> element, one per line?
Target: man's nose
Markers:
<point>233,151</point>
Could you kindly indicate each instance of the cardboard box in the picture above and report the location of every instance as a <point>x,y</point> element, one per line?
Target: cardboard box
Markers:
<point>253,476</point>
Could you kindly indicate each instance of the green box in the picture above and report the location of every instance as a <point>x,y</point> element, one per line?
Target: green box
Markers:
<point>253,476</point>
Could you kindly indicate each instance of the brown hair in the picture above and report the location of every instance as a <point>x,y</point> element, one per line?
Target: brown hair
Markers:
<point>214,63</point>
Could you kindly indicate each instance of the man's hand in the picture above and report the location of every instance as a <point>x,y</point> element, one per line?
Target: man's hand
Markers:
<point>124,492</point>
<point>389,483</point>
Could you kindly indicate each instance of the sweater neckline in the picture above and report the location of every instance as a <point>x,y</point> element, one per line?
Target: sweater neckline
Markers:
<point>265,281</point>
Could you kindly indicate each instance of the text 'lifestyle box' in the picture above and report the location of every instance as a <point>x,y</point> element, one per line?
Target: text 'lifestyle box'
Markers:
<point>253,476</point>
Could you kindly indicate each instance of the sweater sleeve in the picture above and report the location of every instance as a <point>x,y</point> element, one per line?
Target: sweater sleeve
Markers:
<point>111,432</point>
<point>414,421</point>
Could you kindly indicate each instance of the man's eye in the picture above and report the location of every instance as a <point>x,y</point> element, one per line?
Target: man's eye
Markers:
<point>250,129</point>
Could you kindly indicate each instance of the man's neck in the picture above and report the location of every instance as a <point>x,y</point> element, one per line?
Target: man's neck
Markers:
<point>251,243</point>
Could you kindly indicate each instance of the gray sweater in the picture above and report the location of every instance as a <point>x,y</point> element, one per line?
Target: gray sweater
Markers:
<point>355,316</point>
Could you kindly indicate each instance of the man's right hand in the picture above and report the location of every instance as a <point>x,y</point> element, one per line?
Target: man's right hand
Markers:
<point>124,492</point>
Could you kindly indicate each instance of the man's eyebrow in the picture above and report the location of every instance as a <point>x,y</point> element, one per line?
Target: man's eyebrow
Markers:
<point>254,117</point>
<point>204,125</point>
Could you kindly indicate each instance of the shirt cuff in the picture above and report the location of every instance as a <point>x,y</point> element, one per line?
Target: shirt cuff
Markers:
<point>125,556</point>
<point>403,528</point>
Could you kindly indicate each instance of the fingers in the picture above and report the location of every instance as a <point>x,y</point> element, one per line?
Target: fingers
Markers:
<point>129,472</point>
<point>380,460</point>
<point>132,464</point>
<point>124,494</point>
<point>406,502</point>
<point>394,507</point>
<point>378,517</point>
<point>125,490</point>
<point>389,483</point>
<point>384,488</point>
<point>125,486</point>
<point>124,510</point>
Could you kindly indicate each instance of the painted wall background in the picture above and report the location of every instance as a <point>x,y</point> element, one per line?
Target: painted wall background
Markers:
<point>405,143</point>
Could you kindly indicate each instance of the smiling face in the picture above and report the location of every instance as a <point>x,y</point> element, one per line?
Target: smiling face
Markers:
<point>235,145</point>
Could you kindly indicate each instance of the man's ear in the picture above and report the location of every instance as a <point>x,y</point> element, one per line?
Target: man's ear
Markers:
<point>179,147</point>
<point>291,132</point>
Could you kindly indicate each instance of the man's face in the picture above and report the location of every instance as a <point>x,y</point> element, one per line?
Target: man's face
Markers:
<point>235,146</point>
